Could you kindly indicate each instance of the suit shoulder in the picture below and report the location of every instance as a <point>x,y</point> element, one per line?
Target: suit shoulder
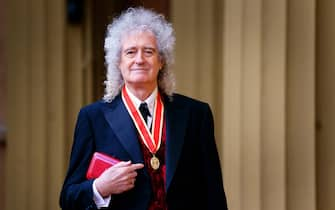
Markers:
<point>94,109</point>
<point>179,98</point>
<point>93,106</point>
<point>189,101</point>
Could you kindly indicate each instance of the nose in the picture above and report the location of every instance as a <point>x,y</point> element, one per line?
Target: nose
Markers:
<point>139,57</point>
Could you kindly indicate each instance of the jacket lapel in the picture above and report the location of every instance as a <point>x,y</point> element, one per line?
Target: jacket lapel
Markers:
<point>120,121</point>
<point>176,119</point>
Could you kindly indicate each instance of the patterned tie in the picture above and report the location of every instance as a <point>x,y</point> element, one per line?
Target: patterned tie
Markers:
<point>144,111</point>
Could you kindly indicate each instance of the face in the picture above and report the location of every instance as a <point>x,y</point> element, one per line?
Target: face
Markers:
<point>140,62</point>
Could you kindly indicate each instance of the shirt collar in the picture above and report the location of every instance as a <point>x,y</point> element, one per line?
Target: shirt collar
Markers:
<point>150,100</point>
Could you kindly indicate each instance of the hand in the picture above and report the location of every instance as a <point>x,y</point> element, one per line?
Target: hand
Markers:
<point>118,178</point>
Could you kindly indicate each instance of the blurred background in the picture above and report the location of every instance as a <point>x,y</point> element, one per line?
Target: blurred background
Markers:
<point>266,67</point>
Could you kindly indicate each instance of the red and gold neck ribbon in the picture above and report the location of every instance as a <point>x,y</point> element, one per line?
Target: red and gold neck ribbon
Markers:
<point>151,140</point>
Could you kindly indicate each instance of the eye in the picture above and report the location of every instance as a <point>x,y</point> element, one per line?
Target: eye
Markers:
<point>149,52</point>
<point>130,53</point>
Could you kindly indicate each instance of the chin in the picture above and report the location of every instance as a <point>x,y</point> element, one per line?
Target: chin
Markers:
<point>140,79</point>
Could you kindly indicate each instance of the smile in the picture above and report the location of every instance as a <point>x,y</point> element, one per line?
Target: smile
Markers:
<point>139,69</point>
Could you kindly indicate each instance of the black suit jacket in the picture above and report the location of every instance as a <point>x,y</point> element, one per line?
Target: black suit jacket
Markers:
<point>193,173</point>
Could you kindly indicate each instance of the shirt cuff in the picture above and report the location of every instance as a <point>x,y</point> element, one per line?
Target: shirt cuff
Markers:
<point>98,199</point>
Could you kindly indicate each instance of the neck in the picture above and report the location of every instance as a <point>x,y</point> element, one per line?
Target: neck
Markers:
<point>141,93</point>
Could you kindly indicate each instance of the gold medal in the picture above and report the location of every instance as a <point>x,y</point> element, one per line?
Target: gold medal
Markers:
<point>154,162</point>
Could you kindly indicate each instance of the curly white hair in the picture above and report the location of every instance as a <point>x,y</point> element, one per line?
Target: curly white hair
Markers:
<point>138,19</point>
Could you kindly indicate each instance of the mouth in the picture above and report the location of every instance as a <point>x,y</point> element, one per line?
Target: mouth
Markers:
<point>139,69</point>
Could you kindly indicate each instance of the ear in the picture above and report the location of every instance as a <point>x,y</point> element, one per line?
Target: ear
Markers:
<point>162,65</point>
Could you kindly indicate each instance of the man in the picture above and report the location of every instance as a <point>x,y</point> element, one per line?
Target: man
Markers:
<point>164,141</point>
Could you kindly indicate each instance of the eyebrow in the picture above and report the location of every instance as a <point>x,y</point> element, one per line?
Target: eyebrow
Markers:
<point>145,48</point>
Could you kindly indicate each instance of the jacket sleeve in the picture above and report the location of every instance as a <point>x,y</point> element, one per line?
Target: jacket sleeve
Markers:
<point>216,198</point>
<point>77,191</point>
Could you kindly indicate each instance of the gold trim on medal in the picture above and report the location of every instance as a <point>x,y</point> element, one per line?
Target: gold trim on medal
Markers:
<point>154,162</point>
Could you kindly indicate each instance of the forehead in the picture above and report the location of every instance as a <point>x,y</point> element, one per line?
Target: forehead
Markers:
<point>139,39</point>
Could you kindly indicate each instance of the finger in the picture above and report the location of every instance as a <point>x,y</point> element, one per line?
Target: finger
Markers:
<point>131,183</point>
<point>123,163</point>
<point>131,175</point>
<point>133,167</point>
<point>136,166</point>
<point>127,182</point>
